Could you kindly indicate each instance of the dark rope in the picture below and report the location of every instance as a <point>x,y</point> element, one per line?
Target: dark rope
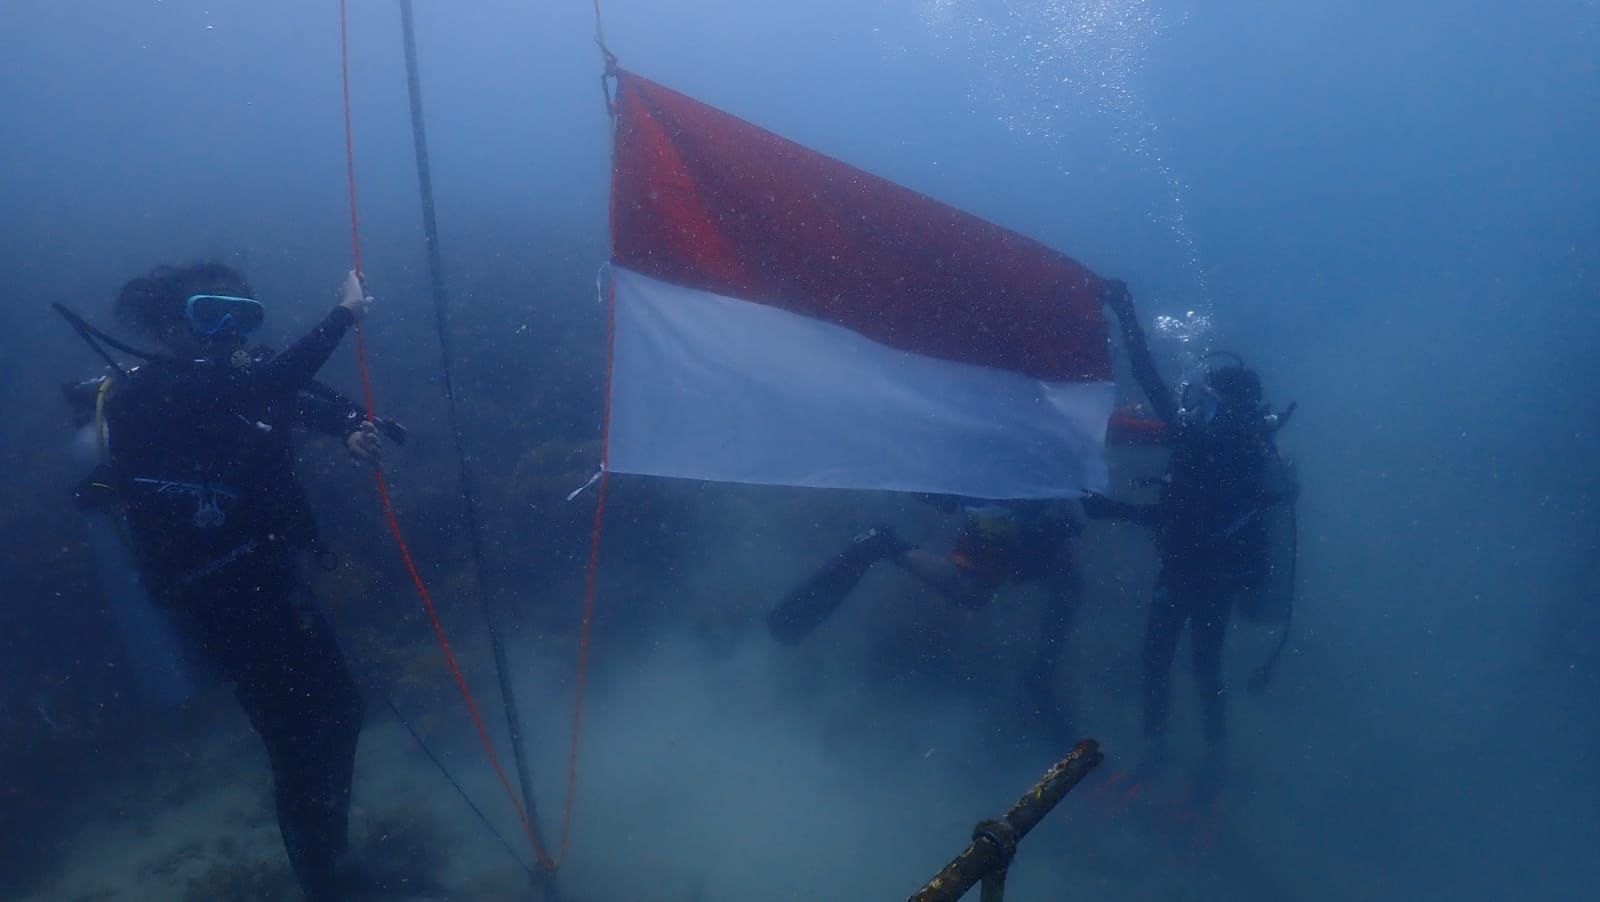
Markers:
<point>377,689</point>
<point>609,72</point>
<point>443,770</point>
<point>430,230</point>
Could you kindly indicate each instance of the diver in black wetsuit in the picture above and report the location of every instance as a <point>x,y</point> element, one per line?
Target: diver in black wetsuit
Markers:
<point>198,456</point>
<point>1211,531</point>
<point>999,543</point>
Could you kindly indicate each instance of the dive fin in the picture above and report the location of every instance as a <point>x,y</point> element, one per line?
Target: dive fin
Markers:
<point>814,601</point>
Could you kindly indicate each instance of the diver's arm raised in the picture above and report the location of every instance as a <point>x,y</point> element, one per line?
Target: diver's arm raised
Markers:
<point>1142,363</point>
<point>292,369</point>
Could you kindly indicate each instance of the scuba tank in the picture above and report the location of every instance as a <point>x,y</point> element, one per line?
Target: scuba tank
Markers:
<point>150,639</point>
<point>1271,598</point>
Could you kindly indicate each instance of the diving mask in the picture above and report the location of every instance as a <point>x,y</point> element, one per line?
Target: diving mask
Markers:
<point>210,315</point>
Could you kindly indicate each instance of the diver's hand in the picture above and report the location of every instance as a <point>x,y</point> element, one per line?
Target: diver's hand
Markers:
<point>1119,299</point>
<point>364,445</point>
<point>353,296</point>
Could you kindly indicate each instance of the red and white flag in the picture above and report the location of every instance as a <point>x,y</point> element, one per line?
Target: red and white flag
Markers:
<point>780,317</point>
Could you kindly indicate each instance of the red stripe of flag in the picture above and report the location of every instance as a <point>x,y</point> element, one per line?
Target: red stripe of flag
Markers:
<point>705,200</point>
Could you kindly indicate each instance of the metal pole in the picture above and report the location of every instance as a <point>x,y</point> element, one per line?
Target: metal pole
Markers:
<point>994,842</point>
<point>993,888</point>
<point>544,880</point>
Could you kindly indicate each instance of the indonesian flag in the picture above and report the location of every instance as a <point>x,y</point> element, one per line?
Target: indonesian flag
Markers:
<point>780,317</point>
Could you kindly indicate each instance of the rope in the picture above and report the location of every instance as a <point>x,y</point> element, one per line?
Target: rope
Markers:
<point>455,670</point>
<point>591,578</point>
<point>609,59</point>
<point>600,39</point>
<point>430,231</point>
<point>376,688</point>
<point>548,862</point>
<point>382,485</point>
<point>583,663</point>
<point>350,179</point>
<point>445,771</point>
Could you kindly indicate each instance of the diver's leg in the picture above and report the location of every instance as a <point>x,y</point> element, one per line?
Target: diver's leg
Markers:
<point>335,714</point>
<point>1208,629</point>
<point>943,576</point>
<point>1051,708</point>
<point>307,710</point>
<point>300,790</point>
<point>301,794</point>
<point>257,639</point>
<point>1168,611</point>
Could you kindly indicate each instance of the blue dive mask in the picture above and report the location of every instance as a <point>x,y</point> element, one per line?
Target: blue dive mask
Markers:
<point>212,314</point>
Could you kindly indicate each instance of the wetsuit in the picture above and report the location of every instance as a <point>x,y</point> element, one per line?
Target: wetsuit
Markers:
<point>1012,542</point>
<point>201,458</point>
<point>1211,537</point>
<point>1212,550</point>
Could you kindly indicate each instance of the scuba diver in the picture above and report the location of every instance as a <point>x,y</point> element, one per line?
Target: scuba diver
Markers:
<point>1212,525</point>
<point>197,459</point>
<point>1000,543</point>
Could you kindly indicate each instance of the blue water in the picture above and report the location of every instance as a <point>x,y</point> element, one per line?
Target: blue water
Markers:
<point>1392,210</point>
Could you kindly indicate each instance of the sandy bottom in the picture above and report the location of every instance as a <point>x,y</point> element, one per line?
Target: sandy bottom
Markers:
<point>198,824</point>
<point>727,778</point>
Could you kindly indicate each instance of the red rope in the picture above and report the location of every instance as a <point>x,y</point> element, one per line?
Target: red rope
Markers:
<point>455,669</point>
<point>350,179</point>
<point>393,520</point>
<point>590,581</point>
<point>591,578</point>
<point>583,664</point>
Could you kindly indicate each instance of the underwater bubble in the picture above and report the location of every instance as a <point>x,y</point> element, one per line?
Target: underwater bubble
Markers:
<point>1193,326</point>
<point>1038,59</point>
